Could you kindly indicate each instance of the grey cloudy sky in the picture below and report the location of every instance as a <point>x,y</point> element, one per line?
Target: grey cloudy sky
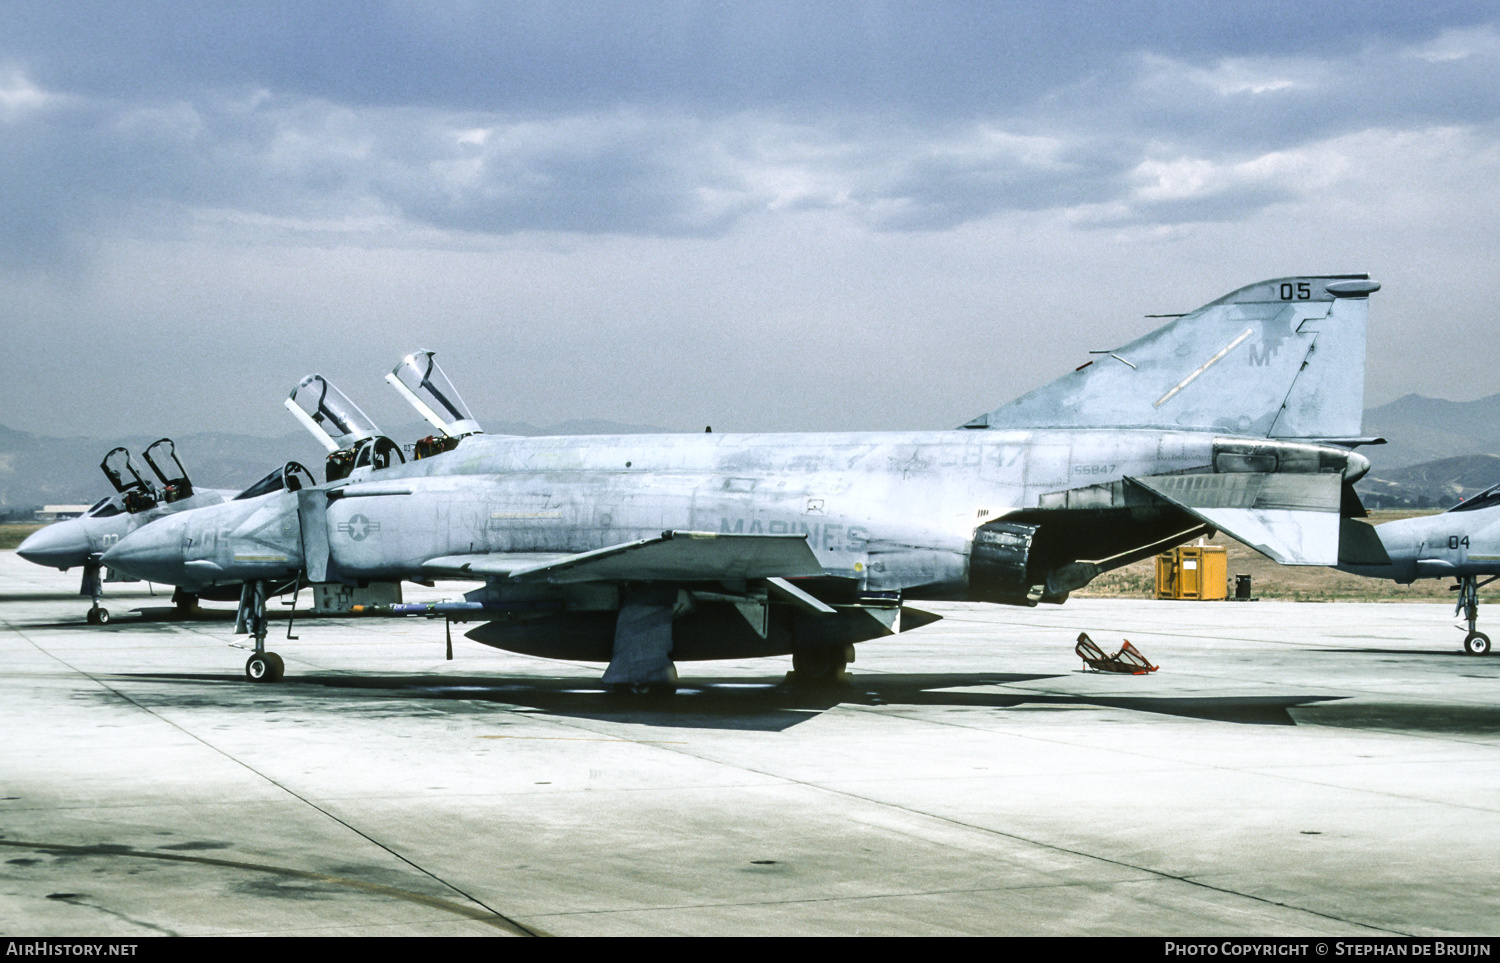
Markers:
<point>761,216</point>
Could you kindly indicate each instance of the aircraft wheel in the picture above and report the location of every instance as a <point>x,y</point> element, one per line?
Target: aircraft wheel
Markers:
<point>92,618</point>
<point>103,617</point>
<point>644,691</point>
<point>264,667</point>
<point>821,664</point>
<point>1476,643</point>
<point>185,603</point>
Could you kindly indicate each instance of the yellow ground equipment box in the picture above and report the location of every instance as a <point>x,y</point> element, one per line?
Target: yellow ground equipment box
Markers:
<point>1193,572</point>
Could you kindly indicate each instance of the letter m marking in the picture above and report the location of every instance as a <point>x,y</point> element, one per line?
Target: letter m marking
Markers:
<point>1265,353</point>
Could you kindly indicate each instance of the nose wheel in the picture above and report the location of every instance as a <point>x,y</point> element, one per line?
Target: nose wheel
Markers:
<point>265,667</point>
<point>1477,643</point>
<point>98,615</point>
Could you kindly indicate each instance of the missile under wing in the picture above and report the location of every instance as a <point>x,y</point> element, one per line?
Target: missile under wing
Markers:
<point>642,551</point>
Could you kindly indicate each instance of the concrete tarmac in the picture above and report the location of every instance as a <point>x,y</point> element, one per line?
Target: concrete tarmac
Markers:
<point>1320,769</point>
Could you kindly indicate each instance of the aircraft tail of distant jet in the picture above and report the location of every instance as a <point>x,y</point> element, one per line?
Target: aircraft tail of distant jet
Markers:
<point>1283,359</point>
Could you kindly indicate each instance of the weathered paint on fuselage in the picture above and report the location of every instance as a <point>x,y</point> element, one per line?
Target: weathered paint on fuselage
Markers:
<point>893,511</point>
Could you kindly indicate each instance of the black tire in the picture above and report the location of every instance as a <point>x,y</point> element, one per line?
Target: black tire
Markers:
<point>1477,643</point>
<point>639,692</point>
<point>92,618</point>
<point>818,664</point>
<point>102,618</point>
<point>264,667</point>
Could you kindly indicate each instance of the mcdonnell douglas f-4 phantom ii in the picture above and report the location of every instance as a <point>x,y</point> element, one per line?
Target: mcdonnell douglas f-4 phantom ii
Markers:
<point>82,541</point>
<point>1462,543</point>
<point>137,501</point>
<point>646,550</point>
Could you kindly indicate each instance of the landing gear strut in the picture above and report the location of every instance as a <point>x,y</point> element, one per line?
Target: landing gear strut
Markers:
<point>186,602</point>
<point>1476,642</point>
<point>251,619</point>
<point>640,663</point>
<point>93,587</point>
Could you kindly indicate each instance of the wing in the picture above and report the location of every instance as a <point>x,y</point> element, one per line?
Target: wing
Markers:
<point>1292,518</point>
<point>672,557</point>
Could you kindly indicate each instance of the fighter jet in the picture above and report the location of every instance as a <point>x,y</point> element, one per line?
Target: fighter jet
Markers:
<point>1462,543</point>
<point>82,541</point>
<point>641,551</point>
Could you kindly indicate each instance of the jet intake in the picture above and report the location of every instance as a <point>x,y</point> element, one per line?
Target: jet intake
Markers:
<point>998,563</point>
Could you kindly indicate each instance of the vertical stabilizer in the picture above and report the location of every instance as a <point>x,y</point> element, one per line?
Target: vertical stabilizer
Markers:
<point>1283,358</point>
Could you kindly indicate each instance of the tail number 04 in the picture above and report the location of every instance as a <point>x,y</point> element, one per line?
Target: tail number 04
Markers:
<point>1454,541</point>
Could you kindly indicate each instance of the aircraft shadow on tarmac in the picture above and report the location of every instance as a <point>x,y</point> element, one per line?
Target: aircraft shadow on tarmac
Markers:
<point>767,704</point>
<point>169,613</point>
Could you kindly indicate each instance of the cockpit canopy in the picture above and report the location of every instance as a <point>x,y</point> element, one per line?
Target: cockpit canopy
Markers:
<point>106,506</point>
<point>1489,498</point>
<point>328,413</point>
<point>421,381</point>
<point>136,494</point>
<point>162,457</point>
<point>121,471</point>
<point>291,477</point>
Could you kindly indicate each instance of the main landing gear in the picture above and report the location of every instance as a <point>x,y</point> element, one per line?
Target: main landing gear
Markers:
<point>821,664</point>
<point>1476,642</point>
<point>640,664</point>
<point>251,619</point>
<point>185,602</point>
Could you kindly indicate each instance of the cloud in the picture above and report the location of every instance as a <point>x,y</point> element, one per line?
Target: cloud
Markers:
<point>408,122</point>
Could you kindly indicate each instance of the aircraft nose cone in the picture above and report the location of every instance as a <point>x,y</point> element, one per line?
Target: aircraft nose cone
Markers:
<point>152,552</point>
<point>56,546</point>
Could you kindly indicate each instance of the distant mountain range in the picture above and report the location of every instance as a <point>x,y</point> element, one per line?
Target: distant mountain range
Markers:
<point>1420,429</point>
<point>1438,452</point>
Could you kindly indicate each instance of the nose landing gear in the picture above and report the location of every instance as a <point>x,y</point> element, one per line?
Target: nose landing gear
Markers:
<point>93,587</point>
<point>251,619</point>
<point>1476,642</point>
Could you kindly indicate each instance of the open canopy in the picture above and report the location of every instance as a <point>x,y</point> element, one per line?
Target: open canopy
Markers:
<point>328,413</point>
<point>420,380</point>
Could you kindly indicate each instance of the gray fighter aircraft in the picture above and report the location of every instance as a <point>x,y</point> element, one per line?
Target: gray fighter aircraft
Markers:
<point>1462,543</point>
<point>644,550</point>
<point>82,541</point>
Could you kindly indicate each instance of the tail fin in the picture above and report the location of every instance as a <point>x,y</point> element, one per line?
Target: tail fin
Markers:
<point>1283,358</point>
